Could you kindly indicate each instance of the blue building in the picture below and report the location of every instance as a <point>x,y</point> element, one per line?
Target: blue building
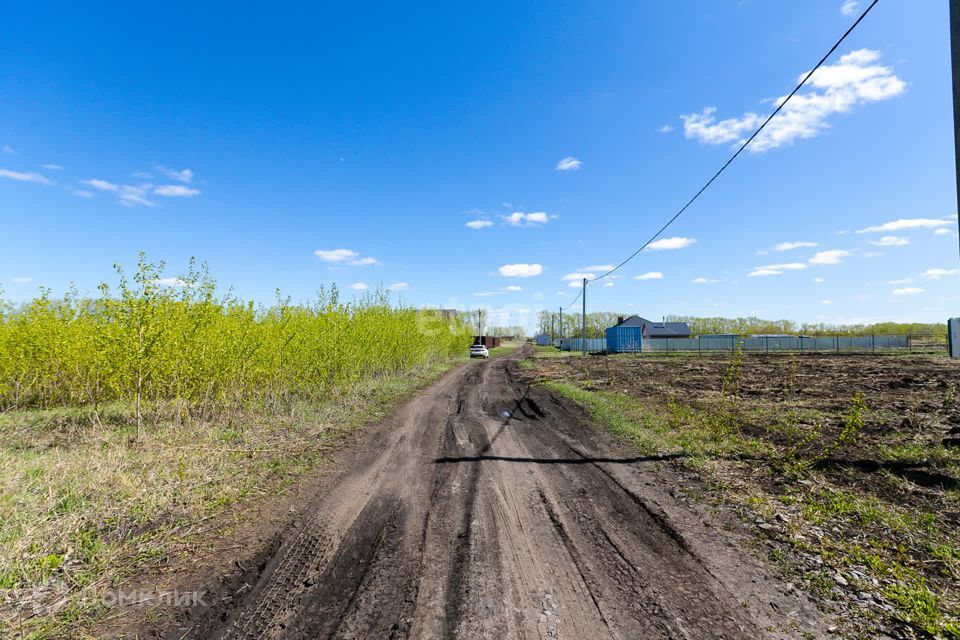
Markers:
<point>628,334</point>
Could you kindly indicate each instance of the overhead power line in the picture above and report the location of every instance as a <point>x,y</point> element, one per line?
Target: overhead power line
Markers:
<point>574,301</point>
<point>744,145</point>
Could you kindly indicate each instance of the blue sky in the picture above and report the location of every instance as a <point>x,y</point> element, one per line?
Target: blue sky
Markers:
<point>435,148</point>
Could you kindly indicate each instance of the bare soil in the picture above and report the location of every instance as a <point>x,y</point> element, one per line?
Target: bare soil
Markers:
<point>911,401</point>
<point>848,466</point>
<point>487,508</point>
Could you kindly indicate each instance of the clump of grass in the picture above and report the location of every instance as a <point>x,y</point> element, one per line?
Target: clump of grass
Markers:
<point>950,398</point>
<point>798,438</point>
<point>679,430</point>
<point>733,377</point>
<point>920,607</point>
<point>852,425</point>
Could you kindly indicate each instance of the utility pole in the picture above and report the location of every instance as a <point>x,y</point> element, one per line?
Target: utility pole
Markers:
<point>955,63</point>
<point>561,322</point>
<point>583,329</point>
<point>953,324</point>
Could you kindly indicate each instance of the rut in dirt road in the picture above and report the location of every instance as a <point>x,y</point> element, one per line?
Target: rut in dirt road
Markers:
<point>489,509</point>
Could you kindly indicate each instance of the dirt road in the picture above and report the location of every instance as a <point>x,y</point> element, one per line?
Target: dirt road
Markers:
<point>487,509</point>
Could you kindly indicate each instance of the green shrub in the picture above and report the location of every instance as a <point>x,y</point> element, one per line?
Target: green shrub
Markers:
<point>149,341</point>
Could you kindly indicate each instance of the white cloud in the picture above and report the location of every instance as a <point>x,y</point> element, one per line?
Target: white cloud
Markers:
<point>344,256</point>
<point>359,286</point>
<point>597,268</point>
<point>171,282</point>
<point>826,302</point>
<point>818,280</point>
<point>702,280</point>
<point>513,287</point>
<point>907,291</point>
<point>608,283</point>
<point>520,270</point>
<point>941,232</point>
<point>667,128</point>
<point>761,272</point>
<point>789,246</point>
<point>398,286</point>
<point>786,266</point>
<point>776,269</point>
<point>890,241</point>
<point>6,149</point>
<point>650,275</point>
<point>52,167</point>
<point>176,191</point>
<point>486,294</point>
<point>907,223</point>
<point>131,195</point>
<point>848,7</point>
<point>521,219</point>
<point>900,281</point>
<point>569,164</point>
<point>101,185</point>
<point>852,81</point>
<point>577,276</point>
<point>670,243</point>
<point>26,176</point>
<point>936,274</point>
<point>184,175</point>
<point>21,280</point>
<point>479,224</point>
<point>82,193</point>
<point>834,256</point>
<point>127,195</point>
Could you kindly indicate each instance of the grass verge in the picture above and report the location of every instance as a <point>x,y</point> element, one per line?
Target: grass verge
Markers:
<point>505,349</point>
<point>84,503</point>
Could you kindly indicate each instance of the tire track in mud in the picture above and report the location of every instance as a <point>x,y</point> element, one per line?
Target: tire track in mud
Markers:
<point>486,510</point>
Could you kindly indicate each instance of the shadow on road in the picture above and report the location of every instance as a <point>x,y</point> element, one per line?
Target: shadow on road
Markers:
<point>634,460</point>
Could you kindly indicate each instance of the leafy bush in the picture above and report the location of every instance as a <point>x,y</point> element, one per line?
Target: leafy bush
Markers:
<point>156,339</point>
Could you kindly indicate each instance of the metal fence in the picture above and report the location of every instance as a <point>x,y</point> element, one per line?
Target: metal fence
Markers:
<point>800,344</point>
<point>912,343</point>
<point>576,344</point>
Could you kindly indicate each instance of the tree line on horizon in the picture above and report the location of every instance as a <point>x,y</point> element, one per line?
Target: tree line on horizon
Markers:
<point>598,322</point>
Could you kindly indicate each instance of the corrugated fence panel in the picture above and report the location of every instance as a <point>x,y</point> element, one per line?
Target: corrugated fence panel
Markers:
<point>718,343</point>
<point>763,344</point>
<point>630,340</point>
<point>624,339</point>
<point>576,344</point>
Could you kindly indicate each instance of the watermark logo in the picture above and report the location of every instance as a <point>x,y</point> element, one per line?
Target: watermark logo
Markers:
<point>49,598</point>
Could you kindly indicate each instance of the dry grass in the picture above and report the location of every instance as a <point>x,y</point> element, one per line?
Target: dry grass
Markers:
<point>84,502</point>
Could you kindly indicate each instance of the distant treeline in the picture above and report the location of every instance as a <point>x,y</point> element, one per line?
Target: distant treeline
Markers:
<point>759,325</point>
<point>597,323</point>
<point>477,319</point>
<point>509,331</point>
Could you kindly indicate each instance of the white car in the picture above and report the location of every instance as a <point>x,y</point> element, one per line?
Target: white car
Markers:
<point>479,351</point>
